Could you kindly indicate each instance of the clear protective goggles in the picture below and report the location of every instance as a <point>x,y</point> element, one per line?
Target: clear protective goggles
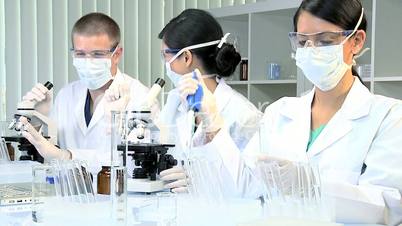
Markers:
<point>99,53</point>
<point>322,39</point>
<point>165,53</point>
<point>178,52</point>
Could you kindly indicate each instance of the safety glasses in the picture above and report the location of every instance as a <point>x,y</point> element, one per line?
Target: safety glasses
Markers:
<point>166,53</point>
<point>320,39</point>
<point>104,53</point>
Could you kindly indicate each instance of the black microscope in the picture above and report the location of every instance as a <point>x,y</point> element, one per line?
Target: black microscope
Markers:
<point>26,108</point>
<point>148,155</point>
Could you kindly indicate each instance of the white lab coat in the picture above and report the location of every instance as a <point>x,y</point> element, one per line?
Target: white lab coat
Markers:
<point>90,143</point>
<point>240,116</point>
<point>366,130</point>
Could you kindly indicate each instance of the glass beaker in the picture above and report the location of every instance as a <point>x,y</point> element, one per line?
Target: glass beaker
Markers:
<point>274,71</point>
<point>167,207</point>
<point>43,189</point>
<point>119,136</point>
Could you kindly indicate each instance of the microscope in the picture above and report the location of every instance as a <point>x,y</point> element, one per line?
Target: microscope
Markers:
<point>48,129</point>
<point>143,147</point>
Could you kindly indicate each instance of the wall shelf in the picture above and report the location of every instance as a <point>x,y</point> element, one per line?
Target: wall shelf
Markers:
<point>237,82</point>
<point>279,81</point>
<point>388,79</point>
<point>265,6</point>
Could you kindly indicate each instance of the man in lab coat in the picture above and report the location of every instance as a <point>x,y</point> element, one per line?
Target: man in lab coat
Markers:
<point>82,109</point>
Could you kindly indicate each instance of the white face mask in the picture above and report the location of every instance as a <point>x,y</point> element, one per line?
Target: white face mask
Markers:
<point>324,66</point>
<point>175,77</point>
<point>95,73</point>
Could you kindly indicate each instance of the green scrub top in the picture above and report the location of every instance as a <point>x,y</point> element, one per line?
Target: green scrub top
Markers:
<point>314,134</point>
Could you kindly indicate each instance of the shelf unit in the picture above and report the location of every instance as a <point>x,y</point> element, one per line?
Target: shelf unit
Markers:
<point>260,32</point>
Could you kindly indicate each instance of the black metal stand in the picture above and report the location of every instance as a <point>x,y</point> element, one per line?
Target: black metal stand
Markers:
<point>25,146</point>
<point>152,158</point>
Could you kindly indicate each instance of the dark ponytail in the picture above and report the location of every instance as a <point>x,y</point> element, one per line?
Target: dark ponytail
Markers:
<point>227,58</point>
<point>195,26</point>
<point>343,13</point>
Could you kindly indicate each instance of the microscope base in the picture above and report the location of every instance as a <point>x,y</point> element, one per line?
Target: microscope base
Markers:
<point>144,185</point>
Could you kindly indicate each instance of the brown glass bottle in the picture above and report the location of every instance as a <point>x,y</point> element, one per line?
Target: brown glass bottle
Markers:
<point>104,181</point>
<point>244,69</point>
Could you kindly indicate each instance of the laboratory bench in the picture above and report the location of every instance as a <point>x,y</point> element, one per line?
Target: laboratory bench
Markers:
<point>142,211</point>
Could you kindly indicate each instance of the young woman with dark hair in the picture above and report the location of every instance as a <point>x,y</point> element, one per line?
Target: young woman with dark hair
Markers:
<point>196,55</point>
<point>353,136</point>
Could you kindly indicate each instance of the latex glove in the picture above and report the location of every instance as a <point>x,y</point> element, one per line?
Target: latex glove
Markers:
<point>298,179</point>
<point>286,172</point>
<point>118,89</point>
<point>393,210</point>
<point>286,168</point>
<point>209,115</point>
<point>176,179</point>
<point>117,96</point>
<point>283,163</point>
<point>46,149</point>
<point>42,96</point>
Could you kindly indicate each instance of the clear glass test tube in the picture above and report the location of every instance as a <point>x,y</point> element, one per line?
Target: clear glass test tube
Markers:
<point>118,194</point>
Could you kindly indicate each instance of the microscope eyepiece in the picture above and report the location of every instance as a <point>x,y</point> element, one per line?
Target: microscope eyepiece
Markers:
<point>160,82</point>
<point>48,85</point>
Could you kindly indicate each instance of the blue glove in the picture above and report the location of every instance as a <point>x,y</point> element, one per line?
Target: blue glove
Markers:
<point>193,90</point>
<point>194,100</point>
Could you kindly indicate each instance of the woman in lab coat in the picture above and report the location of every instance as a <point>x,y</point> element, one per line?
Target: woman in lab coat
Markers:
<point>352,135</point>
<point>194,42</point>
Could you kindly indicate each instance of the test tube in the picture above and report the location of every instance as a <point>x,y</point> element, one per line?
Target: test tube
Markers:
<point>88,181</point>
<point>4,156</point>
<point>118,192</point>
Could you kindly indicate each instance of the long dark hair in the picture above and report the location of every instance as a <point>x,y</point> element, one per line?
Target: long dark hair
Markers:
<point>343,13</point>
<point>194,26</point>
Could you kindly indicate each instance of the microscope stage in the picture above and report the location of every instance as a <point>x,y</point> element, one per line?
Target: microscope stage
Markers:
<point>144,185</point>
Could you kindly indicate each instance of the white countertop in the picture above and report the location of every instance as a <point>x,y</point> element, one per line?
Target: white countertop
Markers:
<point>142,210</point>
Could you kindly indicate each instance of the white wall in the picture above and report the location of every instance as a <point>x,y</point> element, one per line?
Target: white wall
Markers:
<point>35,35</point>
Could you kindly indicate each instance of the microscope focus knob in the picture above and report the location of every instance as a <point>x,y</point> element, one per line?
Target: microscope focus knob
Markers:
<point>170,160</point>
<point>137,162</point>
